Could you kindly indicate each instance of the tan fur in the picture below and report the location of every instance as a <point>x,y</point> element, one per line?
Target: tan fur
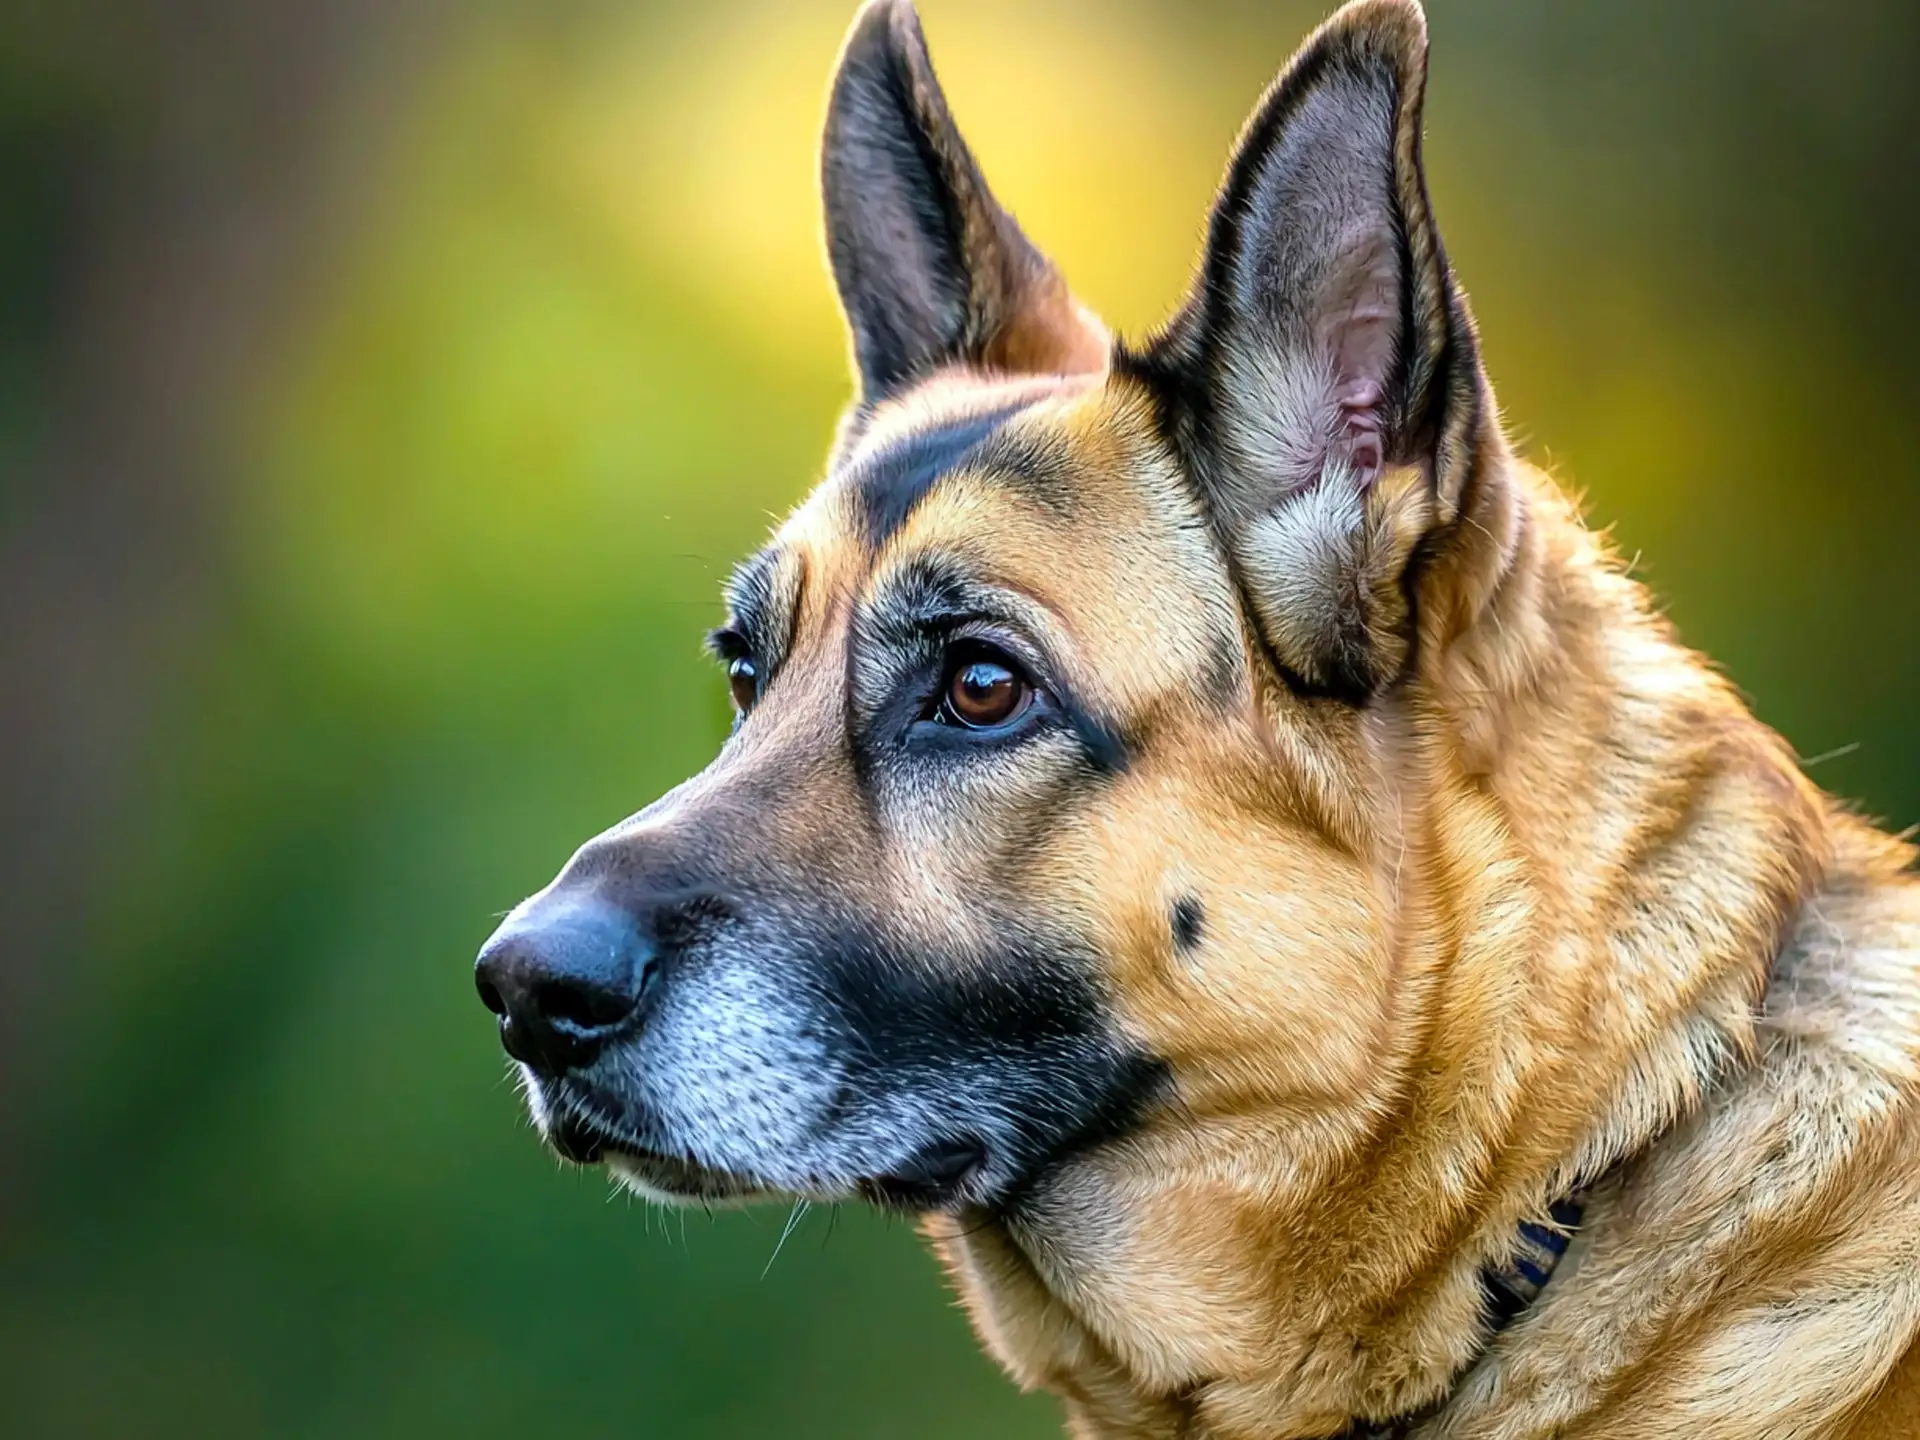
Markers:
<point>1511,925</point>
<point>1554,905</point>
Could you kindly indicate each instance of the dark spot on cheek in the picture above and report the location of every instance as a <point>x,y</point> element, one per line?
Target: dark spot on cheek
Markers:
<point>1189,922</point>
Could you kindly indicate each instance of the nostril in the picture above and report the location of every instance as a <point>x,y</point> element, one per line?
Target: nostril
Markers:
<point>490,996</point>
<point>582,1006</point>
<point>565,980</point>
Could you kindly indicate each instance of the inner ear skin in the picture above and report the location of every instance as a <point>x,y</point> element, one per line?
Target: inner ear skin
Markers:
<point>1309,329</point>
<point>1324,345</point>
<point>1362,335</point>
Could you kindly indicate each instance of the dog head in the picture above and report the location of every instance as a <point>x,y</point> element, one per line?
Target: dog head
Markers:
<point>1060,811</point>
<point>1206,825</point>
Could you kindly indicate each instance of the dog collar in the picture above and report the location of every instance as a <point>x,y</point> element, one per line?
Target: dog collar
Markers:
<point>1509,1287</point>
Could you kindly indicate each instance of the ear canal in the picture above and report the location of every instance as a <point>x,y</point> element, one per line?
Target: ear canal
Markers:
<point>1325,350</point>
<point>931,270</point>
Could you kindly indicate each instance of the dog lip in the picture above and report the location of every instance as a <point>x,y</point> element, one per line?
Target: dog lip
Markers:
<point>934,1176</point>
<point>586,1137</point>
<point>579,1129</point>
<point>584,1144</point>
<point>573,1140</point>
<point>942,1174</point>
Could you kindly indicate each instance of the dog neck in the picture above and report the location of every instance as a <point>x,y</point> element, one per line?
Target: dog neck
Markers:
<point>1594,851</point>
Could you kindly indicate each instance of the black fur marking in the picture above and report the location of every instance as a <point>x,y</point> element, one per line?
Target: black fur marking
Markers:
<point>887,485</point>
<point>1038,467</point>
<point>1189,922</point>
<point>1046,1074</point>
<point>1339,684</point>
<point>1106,748</point>
<point>1348,668</point>
<point>761,611</point>
<point>1223,673</point>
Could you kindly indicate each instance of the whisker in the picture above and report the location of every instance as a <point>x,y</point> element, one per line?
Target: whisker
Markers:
<point>833,1219</point>
<point>794,1216</point>
<point>1825,755</point>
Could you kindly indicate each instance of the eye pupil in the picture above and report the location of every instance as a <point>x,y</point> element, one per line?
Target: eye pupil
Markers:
<point>743,678</point>
<point>984,693</point>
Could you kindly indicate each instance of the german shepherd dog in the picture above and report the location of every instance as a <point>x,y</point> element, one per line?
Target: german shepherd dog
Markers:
<point>1211,831</point>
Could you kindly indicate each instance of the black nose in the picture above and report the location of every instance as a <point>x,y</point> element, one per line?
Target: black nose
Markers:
<point>564,979</point>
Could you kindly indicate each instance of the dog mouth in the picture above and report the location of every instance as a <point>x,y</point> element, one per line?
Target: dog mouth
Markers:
<point>585,1140</point>
<point>941,1175</point>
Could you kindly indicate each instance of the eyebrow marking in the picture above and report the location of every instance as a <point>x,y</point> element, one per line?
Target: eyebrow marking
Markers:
<point>762,599</point>
<point>888,484</point>
<point>926,593</point>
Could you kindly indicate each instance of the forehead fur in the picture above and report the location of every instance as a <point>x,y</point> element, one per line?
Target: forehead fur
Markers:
<point>887,458</point>
<point>1061,488</point>
<point>1077,504</point>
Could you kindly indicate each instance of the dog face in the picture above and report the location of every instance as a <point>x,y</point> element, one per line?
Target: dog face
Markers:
<point>1055,852</point>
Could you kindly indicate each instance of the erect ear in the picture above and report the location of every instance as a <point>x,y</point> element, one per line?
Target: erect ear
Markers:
<point>931,270</point>
<point>1322,378</point>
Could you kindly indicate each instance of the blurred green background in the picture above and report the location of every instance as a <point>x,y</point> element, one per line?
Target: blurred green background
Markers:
<point>384,390</point>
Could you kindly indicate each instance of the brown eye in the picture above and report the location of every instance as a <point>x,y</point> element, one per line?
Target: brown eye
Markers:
<point>984,694</point>
<point>743,678</point>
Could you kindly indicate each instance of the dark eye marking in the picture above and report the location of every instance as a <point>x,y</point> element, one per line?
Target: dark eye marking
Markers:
<point>1189,922</point>
<point>763,596</point>
<point>913,639</point>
